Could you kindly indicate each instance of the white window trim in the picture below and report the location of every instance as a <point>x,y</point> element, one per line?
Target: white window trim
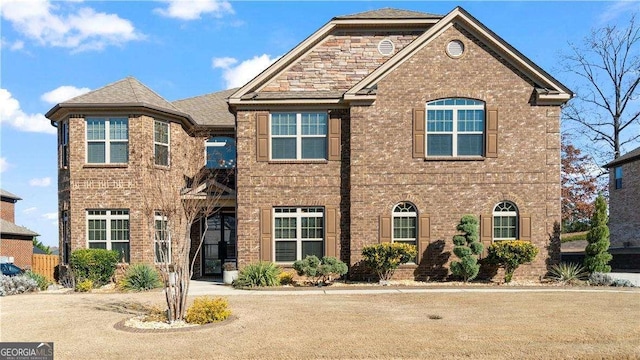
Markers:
<point>298,136</point>
<point>505,214</point>
<point>107,139</point>
<point>167,145</point>
<point>108,217</point>
<point>298,215</point>
<point>395,215</point>
<point>454,133</point>
<point>158,216</point>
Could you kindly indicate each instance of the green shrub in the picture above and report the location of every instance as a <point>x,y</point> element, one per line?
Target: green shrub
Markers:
<point>140,277</point>
<point>207,310</point>
<point>286,278</point>
<point>84,285</point>
<point>385,258</point>
<point>510,255</point>
<point>565,238</point>
<point>41,280</point>
<point>467,248</point>
<point>597,255</point>
<point>320,270</point>
<point>568,273</point>
<point>600,279</point>
<point>97,265</point>
<point>263,273</point>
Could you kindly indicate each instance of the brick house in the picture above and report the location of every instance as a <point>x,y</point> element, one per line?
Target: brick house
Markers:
<point>15,241</point>
<point>388,125</point>
<point>624,196</point>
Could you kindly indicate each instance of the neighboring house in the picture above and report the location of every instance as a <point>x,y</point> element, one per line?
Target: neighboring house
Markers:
<point>624,197</point>
<point>15,241</point>
<point>383,126</point>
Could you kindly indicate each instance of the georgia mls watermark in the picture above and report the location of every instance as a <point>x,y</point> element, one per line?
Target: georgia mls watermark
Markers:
<point>26,351</point>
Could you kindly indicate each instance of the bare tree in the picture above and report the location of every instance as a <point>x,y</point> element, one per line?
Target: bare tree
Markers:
<point>177,198</point>
<point>608,63</point>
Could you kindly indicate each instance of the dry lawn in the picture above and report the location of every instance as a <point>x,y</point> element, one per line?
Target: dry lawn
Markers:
<point>513,325</point>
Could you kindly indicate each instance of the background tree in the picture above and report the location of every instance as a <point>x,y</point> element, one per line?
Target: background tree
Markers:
<point>597,255</point>
<point>608,63</point>
<point>580,186</point>
<point>467,248</point>
<point>38,244</point>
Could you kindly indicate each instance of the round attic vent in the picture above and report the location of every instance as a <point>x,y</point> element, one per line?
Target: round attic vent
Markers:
<point>455,48</point>
<point>386,47</point>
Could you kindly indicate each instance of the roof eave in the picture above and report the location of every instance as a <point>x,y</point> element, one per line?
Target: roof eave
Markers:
<point>61,110</point>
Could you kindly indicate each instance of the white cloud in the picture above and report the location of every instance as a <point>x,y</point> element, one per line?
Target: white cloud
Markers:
<point>43,182</point>
<point>30,210</point>
<point>241,73</point>
<point>12,114</point>
<point>63,93</point>
<point>4,165</point>
<point>618,8</point>
<point>84,29</point>
<point>50,216</point>
<point>194,9</point>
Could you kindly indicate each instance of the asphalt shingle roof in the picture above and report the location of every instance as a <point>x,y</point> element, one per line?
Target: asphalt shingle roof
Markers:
<point>209,109</point>
<point>5,194</point>
<point>628,157</point>
<point>10,228</point>
<point>390,13</point>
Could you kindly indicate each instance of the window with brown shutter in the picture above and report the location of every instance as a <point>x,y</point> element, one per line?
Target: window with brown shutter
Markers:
<point>525,227</point>
<point>424,235</point>
<point>491,150</point>
<point>334,139</point>
<point>331,231</point>
<point>418,133</point>
<point>262,137</point>
<point>265,234</point>
<point>385,228</point>
<point>486,232</point>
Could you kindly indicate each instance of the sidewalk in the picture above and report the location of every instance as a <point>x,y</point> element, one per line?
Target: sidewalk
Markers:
<point>208,287</point>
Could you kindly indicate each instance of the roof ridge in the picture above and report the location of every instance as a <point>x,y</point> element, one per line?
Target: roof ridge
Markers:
<point>135,94</point>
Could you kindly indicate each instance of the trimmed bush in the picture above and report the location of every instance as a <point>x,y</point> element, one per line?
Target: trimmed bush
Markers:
<point>320,270</point>
<point>510,255</point>
<point>84,285</point>
<point>141,277</point>
<point>41,280</point>
<point>597,257</point>
<point>97,265</point>
<point>600,279</point>
<point>263,273</point>
<point>568,273</point>
<point>206,310</point>
<point>12,285</point>
<point>467,248</point>
<point>385,258</point>
<point>286,278</point>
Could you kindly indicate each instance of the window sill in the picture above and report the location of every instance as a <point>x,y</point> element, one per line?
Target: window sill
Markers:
<point>110,166</point>
<point>162,167</point>
<point>298,161</point>
<point>454,158</point>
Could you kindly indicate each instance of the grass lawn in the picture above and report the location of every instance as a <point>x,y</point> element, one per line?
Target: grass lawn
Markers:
<point>511,325</point>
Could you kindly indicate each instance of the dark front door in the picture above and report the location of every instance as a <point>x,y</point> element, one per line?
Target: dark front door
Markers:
<point>219,242</point>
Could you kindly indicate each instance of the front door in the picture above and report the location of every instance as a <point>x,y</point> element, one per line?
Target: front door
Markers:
<point>219,242</point>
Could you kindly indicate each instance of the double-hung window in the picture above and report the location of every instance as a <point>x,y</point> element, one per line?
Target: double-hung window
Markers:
<point>109,229</point>
<point>107,140</point>
<point>161,239</point>
<point>298,232</point>
<point>299,136</point>
<point>505,221</point>
<point>64,144</point>
<point>161,142</point>
<point>455,127</point>
<point>404,223</point>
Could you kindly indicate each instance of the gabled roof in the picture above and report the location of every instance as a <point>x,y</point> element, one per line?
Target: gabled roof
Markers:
<point>210,109</point>
<point>389,13</point>
<point>632,155</point>
<point>10,228</point>
<point>5,194</point>
<point>125,93</point>
<point>548,89</point>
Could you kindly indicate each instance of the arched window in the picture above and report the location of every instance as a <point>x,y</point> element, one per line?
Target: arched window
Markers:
<point>505,221</point>
<point>455,127</point>
<point>404,223</point>
<point>220,153</point>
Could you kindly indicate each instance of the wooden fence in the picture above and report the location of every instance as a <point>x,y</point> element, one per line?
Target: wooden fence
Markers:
<point>44,264</point>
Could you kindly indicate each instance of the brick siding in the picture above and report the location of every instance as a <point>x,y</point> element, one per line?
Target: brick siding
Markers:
<point>624,217</point>
<point>20,249</point>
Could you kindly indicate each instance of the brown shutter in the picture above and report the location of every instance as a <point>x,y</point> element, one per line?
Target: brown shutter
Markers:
<point>385,228</point>
<point>525,227</point>
<point>424,235</point>
<point>492,133</point>
<point>265,234</point>
<point>334,140</point>
<point>262,137</point>
<point>419,121</point>
<point>331,231</point>
<point>486,232</point>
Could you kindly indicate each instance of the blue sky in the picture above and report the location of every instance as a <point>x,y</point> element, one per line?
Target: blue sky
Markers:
<point>54,50</point>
